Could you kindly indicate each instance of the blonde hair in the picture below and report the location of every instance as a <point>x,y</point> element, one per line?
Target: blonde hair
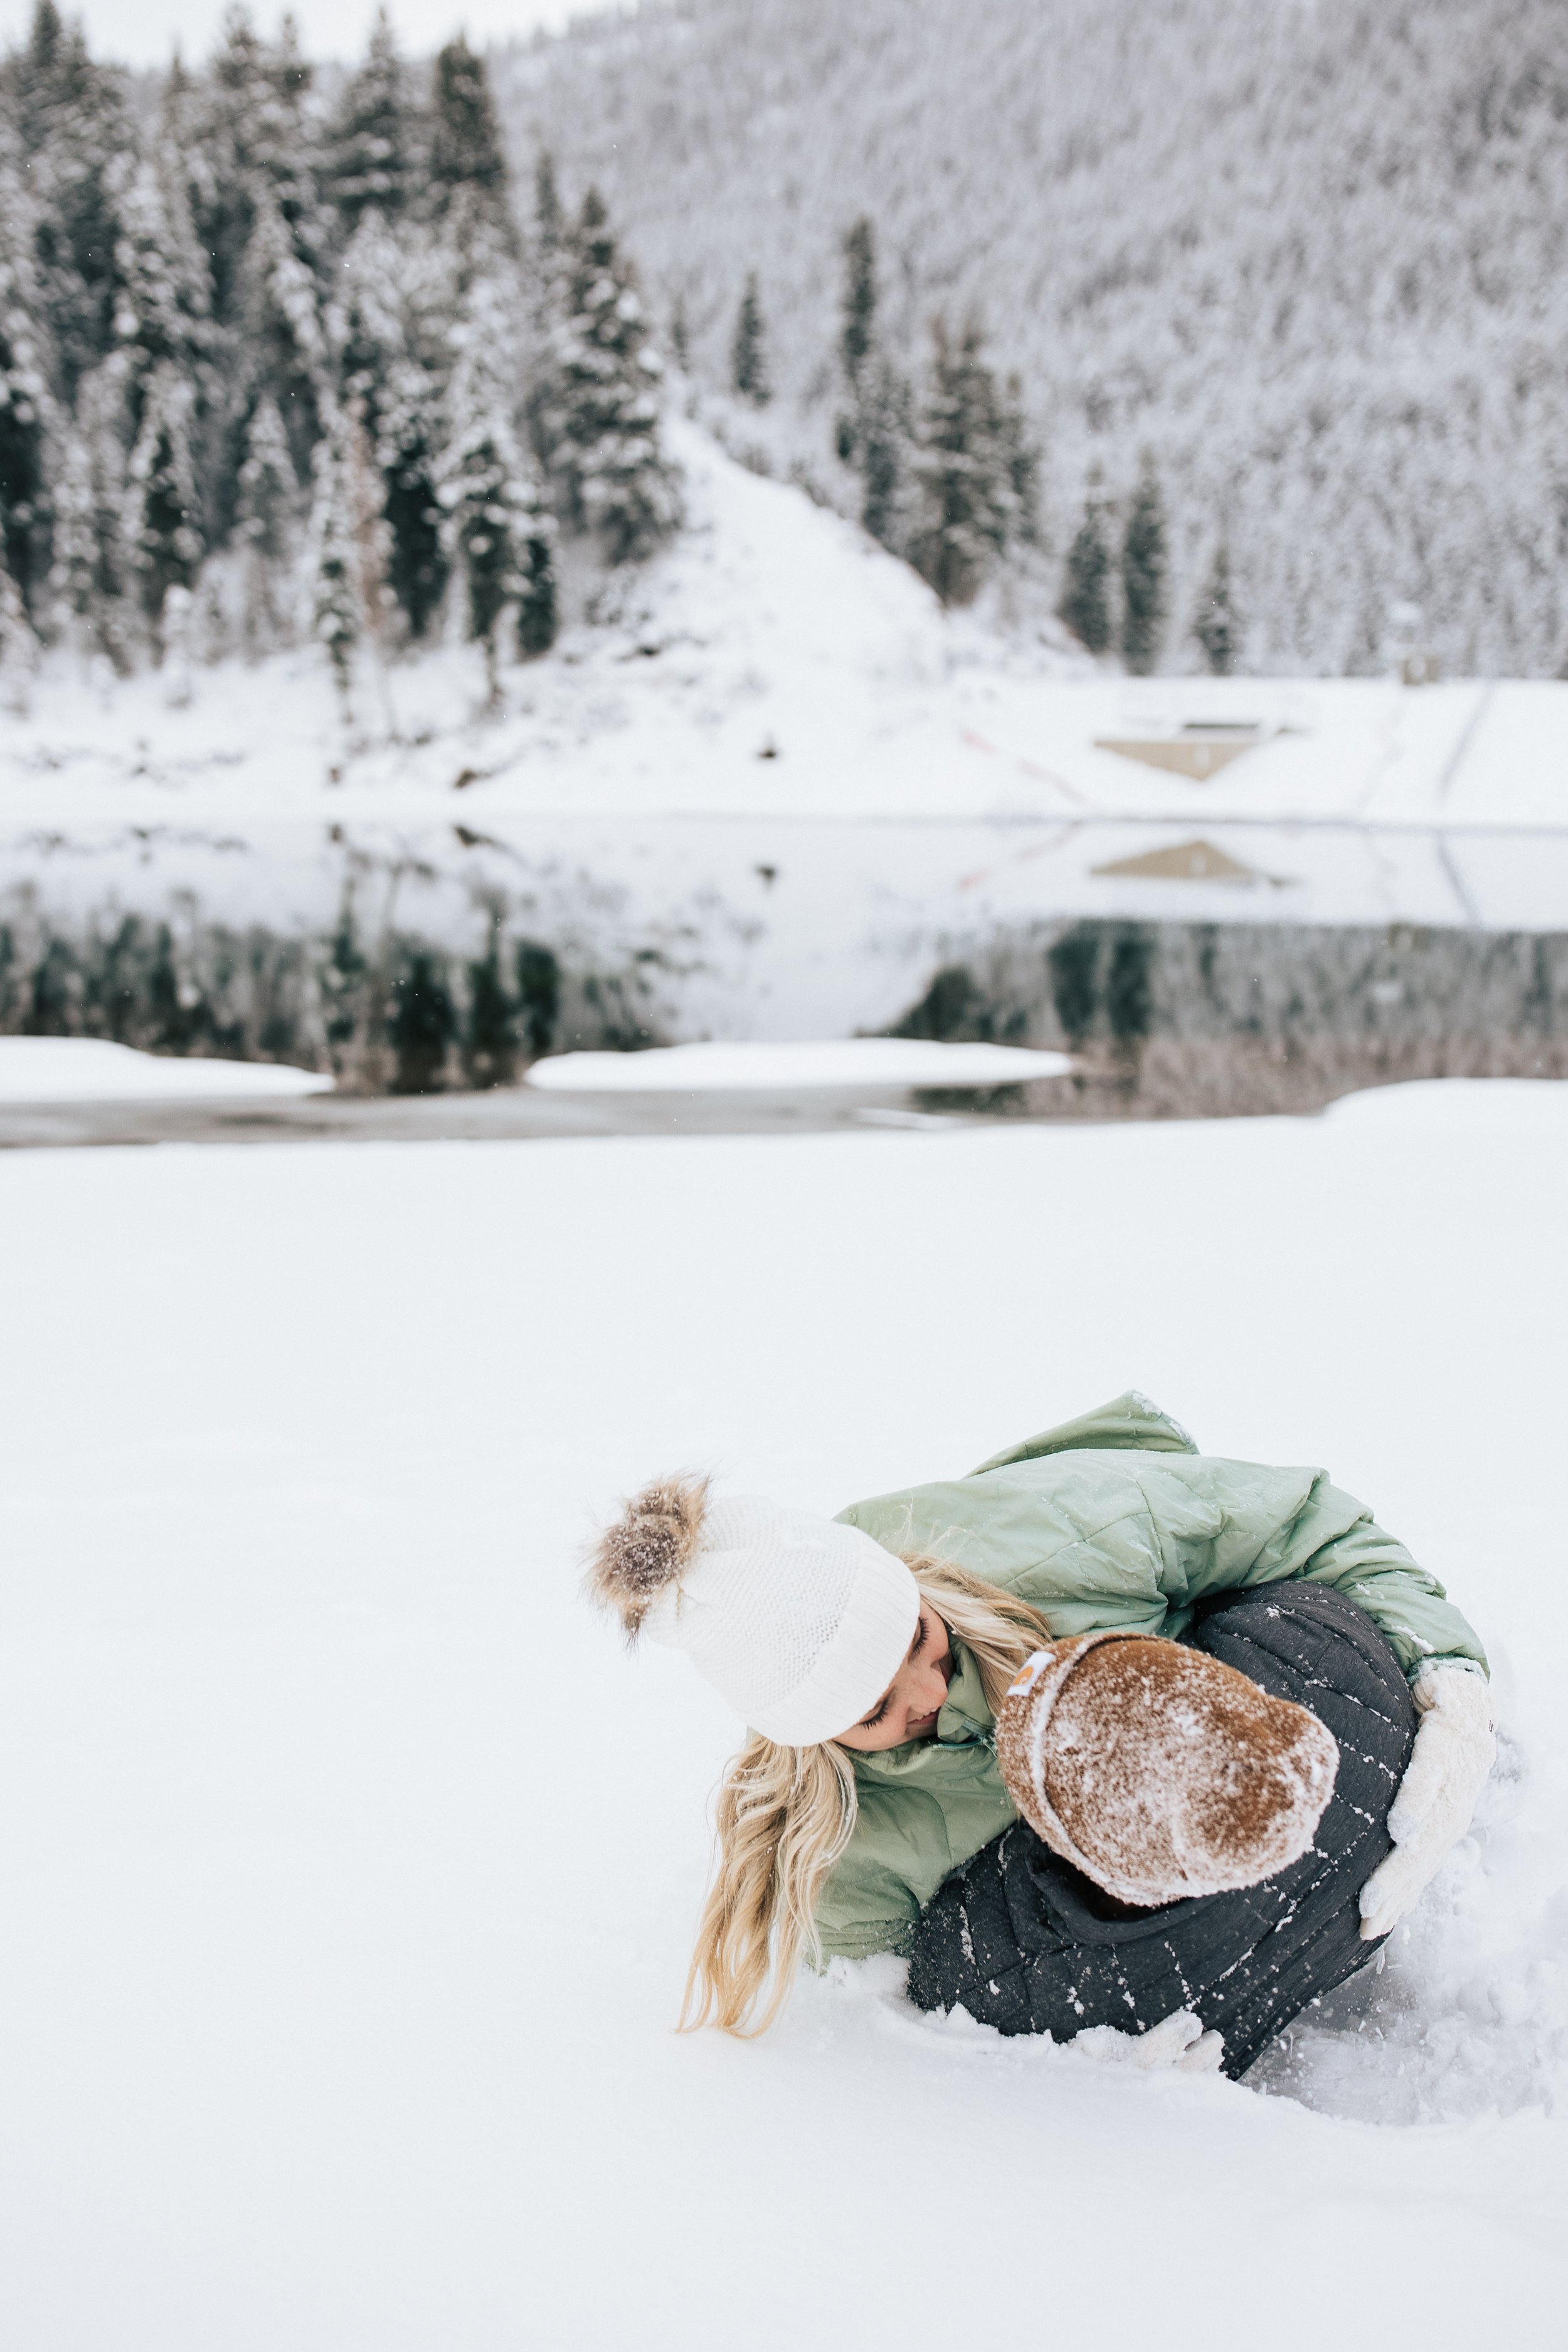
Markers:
<point>784,1816</point>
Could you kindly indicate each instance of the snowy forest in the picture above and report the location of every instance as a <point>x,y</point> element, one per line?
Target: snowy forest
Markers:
<point>283,361</point>
<point>274,367</point>
<point>1250,357</point>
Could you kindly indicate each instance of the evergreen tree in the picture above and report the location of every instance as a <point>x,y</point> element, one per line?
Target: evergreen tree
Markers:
<point>163,286</point>
<point>407,449</point>
<point>364,327</point>
<point>1143,576</point>
<point>538,605</point>
<point>598,414</point>
<point>498,534</point>
<point>859,309</point>
<point>372,151</point>
<point>538,996</point>
<point>76,137</point>
<point>74,572</point>
<point>967,508</point>
<point>282,337</point>
<point>1086,593</point>
<point>255,152</point>
<point>747,351</point>
<point>468,169</point>
<point>681,336</point>
<point>1218,628</point>
<point>549,224</point>
<point>161,528</point>
<point>18,646</point>
<point>873,432</point>
<point>423,1024</point>
<point>266,524</point>
<point>24,406</point>
<point>337,601</point>
<point>32,75</point>
<point>489,1037</point>
<point>91,571</point>
<point>882,450</point>
<point>372,336</point>
<point>1020,461</point>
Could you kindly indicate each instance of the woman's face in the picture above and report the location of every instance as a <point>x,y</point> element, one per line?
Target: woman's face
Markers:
<point>908,1708</point>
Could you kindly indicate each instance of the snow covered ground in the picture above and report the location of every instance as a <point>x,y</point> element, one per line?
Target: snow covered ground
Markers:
<point>349,1864</point>
<point>89,1070</point>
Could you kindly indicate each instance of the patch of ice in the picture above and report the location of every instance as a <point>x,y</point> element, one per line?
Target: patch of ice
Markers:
<point>834,1062</point>
<point>90,1069</point>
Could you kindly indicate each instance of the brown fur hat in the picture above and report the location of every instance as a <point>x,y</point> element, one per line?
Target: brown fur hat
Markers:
<point>647,1547</point>
<point>1157,1770</point>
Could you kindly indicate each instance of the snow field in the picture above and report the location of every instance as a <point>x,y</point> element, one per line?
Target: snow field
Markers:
<point>89,1070</point>
<point>351,1866</point>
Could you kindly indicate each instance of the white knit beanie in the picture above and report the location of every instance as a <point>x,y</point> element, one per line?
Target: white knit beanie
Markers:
<point>800,1622</point>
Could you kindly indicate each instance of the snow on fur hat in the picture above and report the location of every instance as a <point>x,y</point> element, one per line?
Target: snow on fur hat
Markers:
<point>800,1622</point>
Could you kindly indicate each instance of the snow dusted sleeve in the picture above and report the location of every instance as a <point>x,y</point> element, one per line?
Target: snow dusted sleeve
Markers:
<point>1219,1526</point>
<point>1370,1568</point>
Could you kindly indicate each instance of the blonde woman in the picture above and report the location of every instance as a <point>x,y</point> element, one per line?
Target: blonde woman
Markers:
<point>870,1655</point>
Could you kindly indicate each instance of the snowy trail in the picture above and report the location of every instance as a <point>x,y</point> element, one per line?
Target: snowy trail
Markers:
<point>349,1867</point>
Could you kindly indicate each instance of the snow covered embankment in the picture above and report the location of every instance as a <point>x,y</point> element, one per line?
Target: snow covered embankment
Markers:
<point>773,791</point>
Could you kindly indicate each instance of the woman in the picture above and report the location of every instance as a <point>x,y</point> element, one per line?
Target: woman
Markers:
<point>871,1653</point>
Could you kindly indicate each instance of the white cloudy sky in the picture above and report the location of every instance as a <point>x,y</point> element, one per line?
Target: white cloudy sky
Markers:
<point>142,32</point>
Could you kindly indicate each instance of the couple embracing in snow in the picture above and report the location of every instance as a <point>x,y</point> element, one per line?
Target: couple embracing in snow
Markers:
<point>1109,1739</point>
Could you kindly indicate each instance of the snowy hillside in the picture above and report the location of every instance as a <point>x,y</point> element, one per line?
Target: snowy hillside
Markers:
<point>1310,256</point>
<point>351,1866</point>
<point>769,790</point>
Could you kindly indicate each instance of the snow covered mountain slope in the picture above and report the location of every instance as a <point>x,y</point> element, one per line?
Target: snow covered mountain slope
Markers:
<point>1306,253</point>
<point>351,1866</point>
<point>775,659</point>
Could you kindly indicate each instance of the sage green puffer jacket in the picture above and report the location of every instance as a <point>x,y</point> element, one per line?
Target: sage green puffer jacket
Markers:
<point>1115,1519</point>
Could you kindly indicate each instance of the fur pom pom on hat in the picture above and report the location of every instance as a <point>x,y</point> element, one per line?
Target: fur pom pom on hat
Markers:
<point>800,1622</point>
<point>647,1548</point>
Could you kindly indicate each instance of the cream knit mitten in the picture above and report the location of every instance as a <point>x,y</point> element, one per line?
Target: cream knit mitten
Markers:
<point>1435,1802</point>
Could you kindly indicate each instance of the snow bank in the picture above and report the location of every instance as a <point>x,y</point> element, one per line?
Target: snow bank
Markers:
<point>350,1864</point>
<point>840,1062</point>
<point>89,1069</point>
<point>1484,1107</point>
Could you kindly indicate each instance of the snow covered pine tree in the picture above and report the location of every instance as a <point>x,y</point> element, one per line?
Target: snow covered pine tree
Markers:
<point>1143,590</point>
<point>967,470</point>
<point>1085,603</point>
<point>598,414</point>
<point>1217,626</point>
<point>23,406</point>
<point>338,605</point>
<point>499,533</point>
<point>873,430</point>
<point>747,351</point>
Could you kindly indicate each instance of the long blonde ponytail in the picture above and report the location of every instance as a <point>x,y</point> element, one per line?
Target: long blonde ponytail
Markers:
<point>784,1816</point>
